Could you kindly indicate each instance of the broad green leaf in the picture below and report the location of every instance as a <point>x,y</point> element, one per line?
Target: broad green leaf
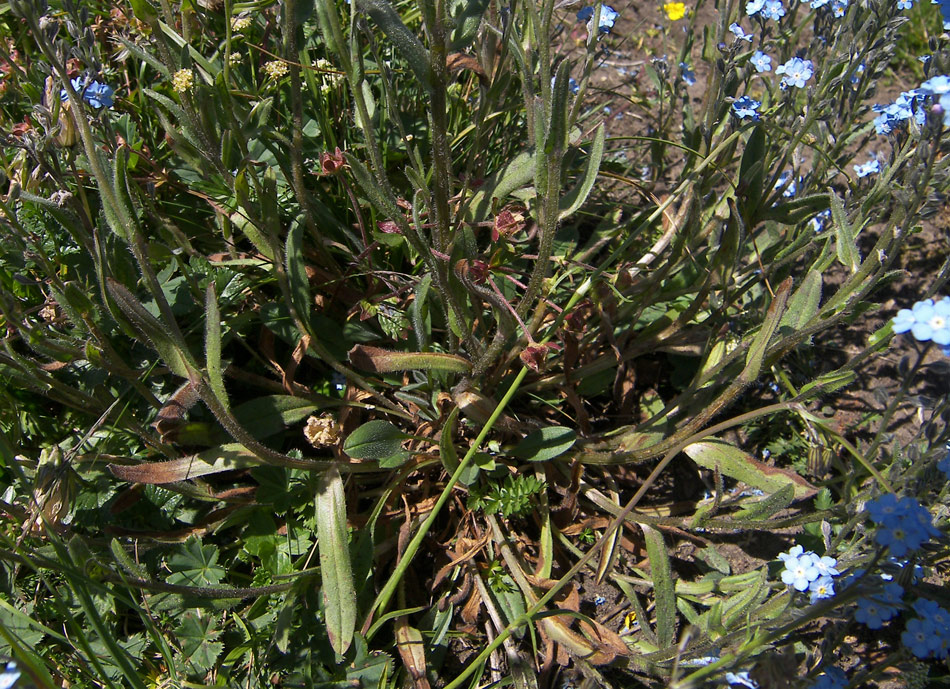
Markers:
<point>242,221</point>
<point>556,140</point>
<point>196,636</point>
<point>195,564</point>
<point>574,199</point>
<point>752,171</point>
<point>123,196</point>
<point>663,591</point>
<point>545,443</point>
<point>395,460</point>
<point>270,414</point>
<point>735,608</point>
<point>794,211</point>
<point>125,561</point>
<point>369,186</point>
<point>516,174</point>
<point>374,440</point>
<point>420,323</point>
<point>735,463</point>
<point>339,594</point>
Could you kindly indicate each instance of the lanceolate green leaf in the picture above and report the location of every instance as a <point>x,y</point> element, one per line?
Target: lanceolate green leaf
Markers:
<point>384,361</point>
<point>405,40</point>
<point>174,357</point>
<point>575,198</point>
<point>803,305</point>
<point>761,342</point>
<point>663,590</point>
<point>297,273</point>
<point>844,234</point>
<point>339,594</point>
<point>716,454</point>
<point>213,346</point>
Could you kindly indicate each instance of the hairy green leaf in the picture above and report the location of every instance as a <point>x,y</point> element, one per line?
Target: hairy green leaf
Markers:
<point>730,460</point>
<point>545,443</point>
<point>663,591</point>
<point>339,594</point>
<point>374,440</point>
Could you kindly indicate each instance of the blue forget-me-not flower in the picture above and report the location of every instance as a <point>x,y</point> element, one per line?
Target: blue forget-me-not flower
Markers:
<point>797,71</point>
<point>608,16</point>
<point>739,33</point>
<point>761,61</point>
<point>94,93</point>
<point>927,320</point>
<point>773,10</point>
<point>746,107</point>
<point>871,167</point>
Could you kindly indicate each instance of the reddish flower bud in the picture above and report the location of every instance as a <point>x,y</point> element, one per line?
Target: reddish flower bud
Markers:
<point>508,222</point>
<point>533,356</point>
<point>331,163</point>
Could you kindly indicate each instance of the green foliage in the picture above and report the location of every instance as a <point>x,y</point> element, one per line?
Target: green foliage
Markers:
<point>511,497</point>
<point>328,341</point>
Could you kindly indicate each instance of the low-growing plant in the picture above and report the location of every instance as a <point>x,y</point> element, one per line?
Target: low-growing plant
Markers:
<point>376,343</point>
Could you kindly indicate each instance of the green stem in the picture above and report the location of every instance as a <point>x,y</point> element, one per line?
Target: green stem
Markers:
<point>384,596</point>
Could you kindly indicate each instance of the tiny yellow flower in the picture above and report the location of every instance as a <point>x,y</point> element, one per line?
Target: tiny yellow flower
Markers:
<point>240,23</point>
<point>276,69</point>
<point>183,80</point>
<point>675,10</point>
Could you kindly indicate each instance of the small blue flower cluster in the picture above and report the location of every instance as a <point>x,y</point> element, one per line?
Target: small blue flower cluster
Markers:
<point>746,107</point>
<point>608,16</point>
<point>786,182</point>
<point>903,523</point>
<point>96,94</point>
<point>910,104</point>
<point>832,678</point>
<point>945,10</point>
<point>766,9</point>
<point>873,166</point>
<point>927,320</point>
<point>838,7</point>
<point>820,220</point>
<point>873,611</point>
<point>928,636</point>
<point>689,76</point>
<point>807,571</point>
<point>797,71</point>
